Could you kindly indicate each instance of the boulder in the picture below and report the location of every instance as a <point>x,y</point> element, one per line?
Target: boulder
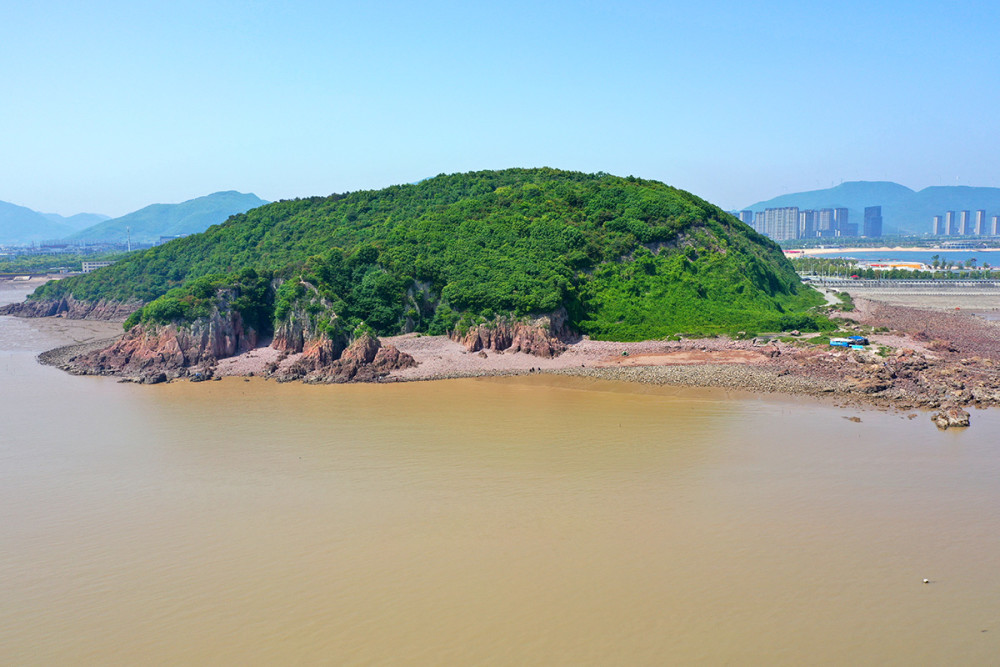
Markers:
<point>950,417</point>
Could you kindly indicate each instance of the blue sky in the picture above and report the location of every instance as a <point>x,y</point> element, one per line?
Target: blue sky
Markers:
<point>110,106</point>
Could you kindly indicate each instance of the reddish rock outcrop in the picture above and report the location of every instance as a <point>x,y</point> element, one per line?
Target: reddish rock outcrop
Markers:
<point>362,351</point>
<point>148,350</point>
<point>304,322</point>
<point>73,309</point>
<point>544,336</point>
<point>364,360</point>
<point>318,354</point>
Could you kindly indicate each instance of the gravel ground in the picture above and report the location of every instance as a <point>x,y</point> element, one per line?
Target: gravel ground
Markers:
<point>439,357</point>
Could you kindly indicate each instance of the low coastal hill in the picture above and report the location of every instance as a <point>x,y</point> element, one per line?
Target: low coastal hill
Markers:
<point>625,258</point>
<point>517,260</point>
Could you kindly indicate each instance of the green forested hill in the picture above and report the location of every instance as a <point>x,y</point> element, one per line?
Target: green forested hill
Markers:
<point>628,258</point>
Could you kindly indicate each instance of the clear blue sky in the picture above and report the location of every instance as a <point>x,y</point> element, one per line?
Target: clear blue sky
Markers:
<point>110,106</point>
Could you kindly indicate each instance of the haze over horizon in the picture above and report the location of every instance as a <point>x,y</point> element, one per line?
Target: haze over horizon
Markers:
<point>109,107</point>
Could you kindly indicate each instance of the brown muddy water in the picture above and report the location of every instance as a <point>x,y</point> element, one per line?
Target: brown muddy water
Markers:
<point>529,520</point>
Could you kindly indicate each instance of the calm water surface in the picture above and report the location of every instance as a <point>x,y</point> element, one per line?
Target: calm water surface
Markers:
<point>952,256</point>
<point>517,521</point>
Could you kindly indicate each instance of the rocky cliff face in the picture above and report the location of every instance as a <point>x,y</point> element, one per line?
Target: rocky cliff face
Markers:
<point>158,352</point>
<point>364,360</point>
<point>152,349</point>
<point>301,324</point>
<point>73,309</point>
<point>545,336</point>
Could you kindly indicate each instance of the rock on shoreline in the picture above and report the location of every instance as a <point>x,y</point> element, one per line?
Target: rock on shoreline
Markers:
<point>950,417</point>
<point>73,309</point>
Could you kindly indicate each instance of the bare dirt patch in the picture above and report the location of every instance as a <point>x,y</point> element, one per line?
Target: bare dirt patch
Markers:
<point>685,358</point>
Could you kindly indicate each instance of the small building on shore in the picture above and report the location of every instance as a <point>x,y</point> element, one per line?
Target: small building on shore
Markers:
<point>93,266</point>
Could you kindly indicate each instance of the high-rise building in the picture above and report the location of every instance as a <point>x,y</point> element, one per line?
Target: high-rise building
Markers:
<point>873,221</point>
<point>848,229</point>
<point>807,224</point>
<point>824,223</point>
<point>949,223</point>
<point>980,227</point>
<point>938,230</point>
<point>964,226</point>
<point>746,216</point>
<point>782,224</point>
<point>840,221</point>
<point>995,226</point>
<point>758,222</point>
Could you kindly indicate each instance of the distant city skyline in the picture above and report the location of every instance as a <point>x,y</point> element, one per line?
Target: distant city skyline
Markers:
<point>788,223</point>
<point>110,106</point>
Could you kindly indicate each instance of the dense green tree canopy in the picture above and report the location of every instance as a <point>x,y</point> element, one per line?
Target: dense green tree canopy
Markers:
<point>628,258</point>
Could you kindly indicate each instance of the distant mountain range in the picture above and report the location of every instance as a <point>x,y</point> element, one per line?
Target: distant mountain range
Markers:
<point>21,226</point>
<point>78,221</point>
<point>904,211</point>
<point>148,224</point>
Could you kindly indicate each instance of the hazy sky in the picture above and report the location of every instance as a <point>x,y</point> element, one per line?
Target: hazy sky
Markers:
<point>110,106</point>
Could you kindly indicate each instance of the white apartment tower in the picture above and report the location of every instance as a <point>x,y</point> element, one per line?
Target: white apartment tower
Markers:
<point>782,224</point>
<point>964,226</point>
<point>980,227</point>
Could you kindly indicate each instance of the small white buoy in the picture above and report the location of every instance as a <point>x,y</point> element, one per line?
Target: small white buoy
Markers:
<point>927,581</point>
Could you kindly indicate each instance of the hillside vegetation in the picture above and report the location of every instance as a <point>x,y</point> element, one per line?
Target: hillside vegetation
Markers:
<point>626,258</point>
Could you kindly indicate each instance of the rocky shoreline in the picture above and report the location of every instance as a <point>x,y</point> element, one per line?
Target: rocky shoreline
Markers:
<point>917,360</point>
